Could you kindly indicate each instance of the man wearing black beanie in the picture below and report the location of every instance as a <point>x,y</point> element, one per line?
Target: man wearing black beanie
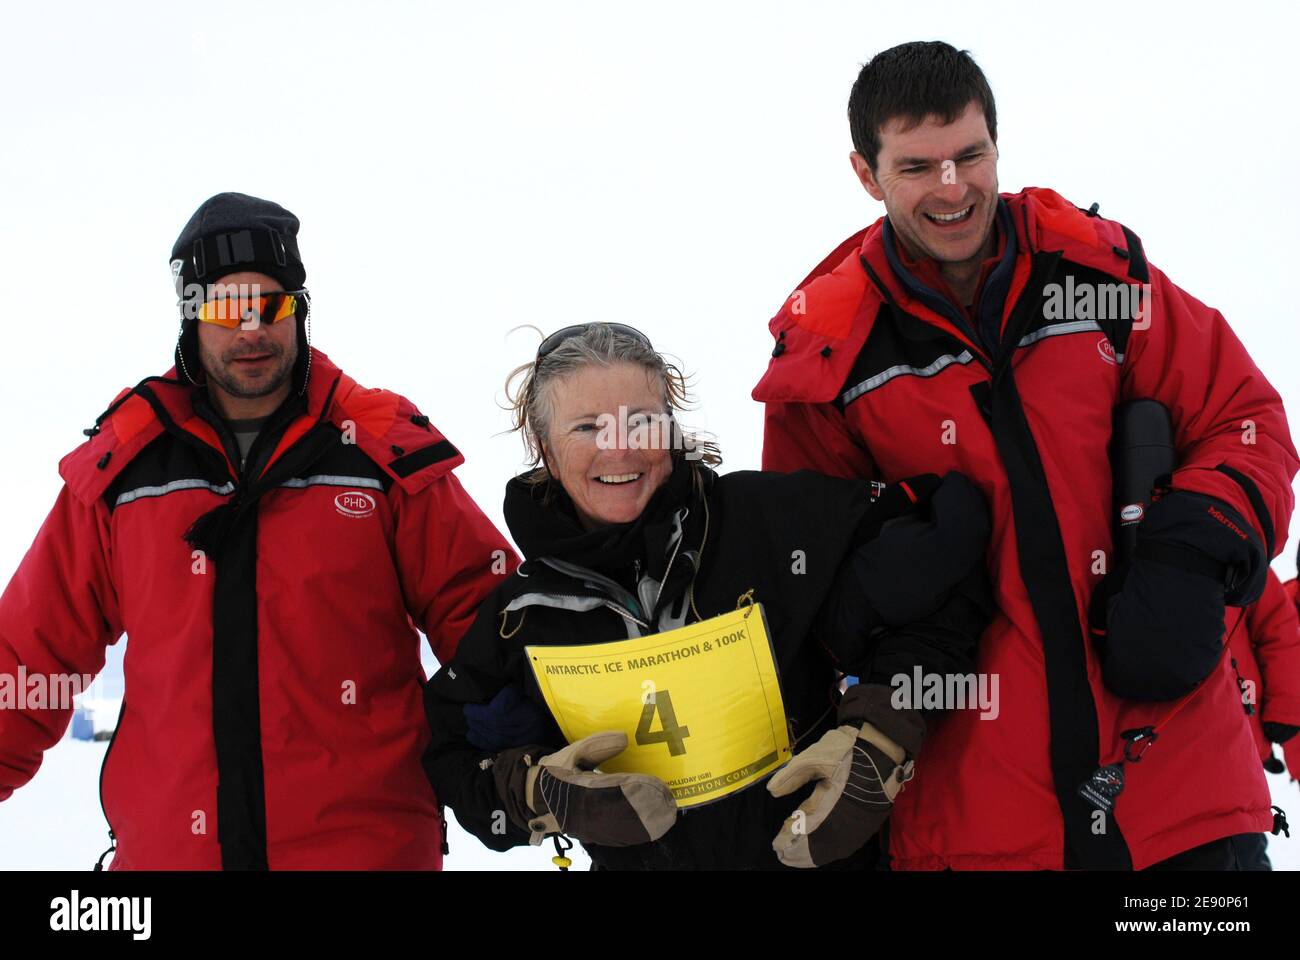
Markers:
<point>236,244</point>
<point>270,535</point>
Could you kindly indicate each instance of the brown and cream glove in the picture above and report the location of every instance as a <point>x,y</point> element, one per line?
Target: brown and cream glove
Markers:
<point>859,767</point>
<point>562,792</point>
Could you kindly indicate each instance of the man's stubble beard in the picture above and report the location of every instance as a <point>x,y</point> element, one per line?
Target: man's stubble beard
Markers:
<point>216,372</point>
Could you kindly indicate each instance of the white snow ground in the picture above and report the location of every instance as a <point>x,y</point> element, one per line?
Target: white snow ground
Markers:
<point>55,823</point>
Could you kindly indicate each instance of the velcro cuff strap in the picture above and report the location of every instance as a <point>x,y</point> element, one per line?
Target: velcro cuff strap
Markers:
<point>882,743</point>
<point>1184,558</point>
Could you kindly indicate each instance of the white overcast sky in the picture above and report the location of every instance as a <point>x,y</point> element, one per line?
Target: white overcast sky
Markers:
<point>462,169</point>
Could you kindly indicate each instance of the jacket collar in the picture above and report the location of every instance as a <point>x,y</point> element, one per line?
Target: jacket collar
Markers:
<point>656,551</point>
<point>384,425</point>
<point>992,296</point>
<point>1042,221</point>
<point>823,325</point>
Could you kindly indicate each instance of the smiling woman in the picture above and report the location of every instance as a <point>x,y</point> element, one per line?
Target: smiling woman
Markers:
<point>629,535</point>
<point>597,412</point>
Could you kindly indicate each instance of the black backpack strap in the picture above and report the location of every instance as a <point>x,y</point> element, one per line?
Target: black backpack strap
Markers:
<point>1256,499</point>
<point>1117,329</point>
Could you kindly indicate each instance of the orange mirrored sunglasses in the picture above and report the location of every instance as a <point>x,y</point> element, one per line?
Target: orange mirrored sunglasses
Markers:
<point>232,312</point>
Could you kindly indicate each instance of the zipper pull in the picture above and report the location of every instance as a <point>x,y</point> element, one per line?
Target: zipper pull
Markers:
<point>112,841</point>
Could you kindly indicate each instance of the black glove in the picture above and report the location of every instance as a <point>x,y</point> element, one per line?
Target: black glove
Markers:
<point>918,593</point>
<point>920,550</point>
<point>1157,621</point>
<point>511,719</point>
<point>943,642</point>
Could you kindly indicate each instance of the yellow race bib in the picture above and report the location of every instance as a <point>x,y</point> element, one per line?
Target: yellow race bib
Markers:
<point>701,705</point>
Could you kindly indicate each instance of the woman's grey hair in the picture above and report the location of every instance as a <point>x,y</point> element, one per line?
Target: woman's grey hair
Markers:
<point>530,386</point>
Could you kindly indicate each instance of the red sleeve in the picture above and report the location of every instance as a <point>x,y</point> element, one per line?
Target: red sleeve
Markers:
<point>1275,634</point>
<point>449,558</point>
<point>813,436</point>
<point>1223,409</point>
<point>57,616</point>
<point>1291,753</point>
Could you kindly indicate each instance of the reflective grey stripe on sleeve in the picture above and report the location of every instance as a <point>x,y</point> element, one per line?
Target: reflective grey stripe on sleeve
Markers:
<point>141,493</point>
<point>903,370</point>
<point>332,480</point>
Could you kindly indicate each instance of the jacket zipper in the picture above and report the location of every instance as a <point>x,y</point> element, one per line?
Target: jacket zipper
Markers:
<point>217,457</point>
<point>628,603</point>
<point>112,837</point>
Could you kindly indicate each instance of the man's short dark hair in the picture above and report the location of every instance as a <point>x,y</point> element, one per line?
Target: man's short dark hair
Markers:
<point>913,81</point>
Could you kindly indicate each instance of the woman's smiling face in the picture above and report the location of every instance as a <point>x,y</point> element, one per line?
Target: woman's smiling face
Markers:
<point>602,445</point>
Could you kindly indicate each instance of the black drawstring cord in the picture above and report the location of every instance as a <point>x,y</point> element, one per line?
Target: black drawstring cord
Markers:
<point>1241,688</point>
<point>562,846</point>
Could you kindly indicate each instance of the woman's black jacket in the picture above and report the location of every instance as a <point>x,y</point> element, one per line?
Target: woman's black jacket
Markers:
<point>848,586</point>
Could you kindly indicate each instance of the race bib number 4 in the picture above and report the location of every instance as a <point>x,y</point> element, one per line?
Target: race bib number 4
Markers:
<point>701,705</point>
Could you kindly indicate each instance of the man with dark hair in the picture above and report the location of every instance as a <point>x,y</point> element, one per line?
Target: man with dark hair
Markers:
<point>994,334</point>
<point>270,535</point>
<point>931,76</point>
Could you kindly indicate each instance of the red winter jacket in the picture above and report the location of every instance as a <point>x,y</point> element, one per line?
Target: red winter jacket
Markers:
<point>1266,648</point>
<point>1291,749</point>
<point>273,709</point>
<point>868,379</point>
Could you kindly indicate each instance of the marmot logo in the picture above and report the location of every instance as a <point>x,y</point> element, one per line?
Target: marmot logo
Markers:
<point>1227,523</point>
<point>354,503</point>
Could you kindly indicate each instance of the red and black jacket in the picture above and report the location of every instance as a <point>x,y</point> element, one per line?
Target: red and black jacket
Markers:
<point>872,378</point>
<point>272,715</point>
<point>1266,651</point>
